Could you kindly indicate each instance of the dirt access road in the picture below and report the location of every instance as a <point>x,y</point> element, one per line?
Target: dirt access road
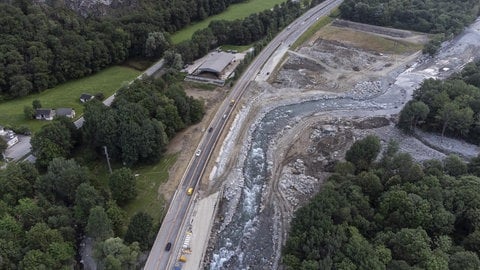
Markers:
<point>342,60</point>
<point>361,76</point>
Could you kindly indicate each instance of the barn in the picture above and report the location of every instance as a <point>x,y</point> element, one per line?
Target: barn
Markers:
<point>216,63</point>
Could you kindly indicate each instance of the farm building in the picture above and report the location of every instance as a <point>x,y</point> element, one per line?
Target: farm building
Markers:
<point>216,63</point>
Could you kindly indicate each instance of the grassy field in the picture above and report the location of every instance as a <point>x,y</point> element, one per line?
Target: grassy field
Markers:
<point>233,12</point>
<point>239,48</point>
<point>148,181</point>
<point>312,30</point>
<point>368,41</point>
<point>66,95</point>
<point>201,86</point>
<point>149,178</point>
<point>355,38</point>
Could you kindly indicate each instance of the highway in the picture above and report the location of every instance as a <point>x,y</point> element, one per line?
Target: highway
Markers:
<point>173,227</point>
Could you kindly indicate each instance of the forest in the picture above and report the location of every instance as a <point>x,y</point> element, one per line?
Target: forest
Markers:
<point>443,17</point>
<point>46,209</point>
<point>42,46</point>
<point>43,217</point>
<point>142,119</point>
<point>255,28</point>
<point>390,213</point>
<point>450,107</point>
<point>135,129</point>
<point>258,28</point>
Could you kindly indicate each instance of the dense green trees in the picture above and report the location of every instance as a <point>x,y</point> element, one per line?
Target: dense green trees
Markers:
<point>99,226</point>
<point>42,45</point>
<point>450,107</point>
<point>86,197</point>
<point>34,232</point>
<point>42,217</point>
<point>139,123</point>
<point>445,17</point>
<point>258,26</point>
<point>412,114</point>
<point>62,179</point>
<point>363,152</point>
<point>114,254</point>
<point>122,185</point>
<point>54,140</point>
<point>140,230</point>
<point>392,213</point>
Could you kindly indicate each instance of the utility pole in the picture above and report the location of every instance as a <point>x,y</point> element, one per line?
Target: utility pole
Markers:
<point>108,159</point>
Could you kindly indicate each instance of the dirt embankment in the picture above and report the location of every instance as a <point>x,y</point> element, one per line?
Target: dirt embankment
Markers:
<point>337,61</point>
<point>340,60</point>
<point>347,60</point>
<point>186,142</point>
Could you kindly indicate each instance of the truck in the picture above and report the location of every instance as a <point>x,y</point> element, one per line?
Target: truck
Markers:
<point>232,102</point>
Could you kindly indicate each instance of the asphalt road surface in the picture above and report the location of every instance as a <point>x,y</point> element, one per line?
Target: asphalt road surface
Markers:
<point>173,226</point>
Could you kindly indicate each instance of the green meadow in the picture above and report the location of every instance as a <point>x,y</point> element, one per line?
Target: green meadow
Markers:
<point>233,12</point>
<point>66,95</point>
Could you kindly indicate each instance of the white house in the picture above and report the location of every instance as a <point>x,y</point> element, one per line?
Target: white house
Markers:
<point>8,136</point>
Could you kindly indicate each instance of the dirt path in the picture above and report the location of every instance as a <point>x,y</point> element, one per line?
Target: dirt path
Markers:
<point>300,156</point>
<point>325,66</point>
<point>185,143</point>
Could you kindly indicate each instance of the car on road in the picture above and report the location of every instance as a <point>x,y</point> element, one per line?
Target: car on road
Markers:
<point>190,191</point>
<point>210,129</point>
<point>198,152</point>
<point>168,246</point>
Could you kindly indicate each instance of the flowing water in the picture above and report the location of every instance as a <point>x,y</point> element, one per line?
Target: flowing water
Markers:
<point>247,242</point>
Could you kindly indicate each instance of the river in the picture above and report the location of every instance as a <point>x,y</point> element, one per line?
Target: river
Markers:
<point>247,240</point>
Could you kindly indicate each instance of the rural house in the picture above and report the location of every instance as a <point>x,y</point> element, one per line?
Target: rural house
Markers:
<point>44,114</point>
<point>86,97</point>
<point>67,112</point>
<point>8,136</point>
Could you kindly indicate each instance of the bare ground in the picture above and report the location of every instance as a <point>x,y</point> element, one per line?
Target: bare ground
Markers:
<point>359,62</point>
<point>185,142</point>
<point>317,73</point>
<point>336,61</point>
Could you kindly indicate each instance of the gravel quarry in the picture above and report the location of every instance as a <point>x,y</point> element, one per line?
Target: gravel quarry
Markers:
<point>348,81</point>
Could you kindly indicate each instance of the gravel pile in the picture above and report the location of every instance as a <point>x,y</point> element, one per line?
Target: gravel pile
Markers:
<point>294,184</point>
<point>365,89</point>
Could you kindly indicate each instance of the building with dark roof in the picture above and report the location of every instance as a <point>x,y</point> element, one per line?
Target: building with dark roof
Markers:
<point>86,97</point>
<point>44,114</point>
<point>67,112</point>
<point>216,63</point>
